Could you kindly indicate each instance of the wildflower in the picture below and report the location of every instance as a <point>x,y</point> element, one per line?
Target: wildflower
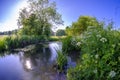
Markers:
<point>103,40</point>
<point>99,36</point>
<point>96,56</point>
<point>78,43</point>
<point>95,71</point>
<point>112,74</point>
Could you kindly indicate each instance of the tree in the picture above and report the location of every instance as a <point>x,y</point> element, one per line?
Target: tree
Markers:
<point>81,25</point>
<point>69,31</point>
<point>60,32</point>
<point>40,17</point>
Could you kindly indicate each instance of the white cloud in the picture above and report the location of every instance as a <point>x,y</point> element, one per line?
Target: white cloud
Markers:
<point>11,23</point>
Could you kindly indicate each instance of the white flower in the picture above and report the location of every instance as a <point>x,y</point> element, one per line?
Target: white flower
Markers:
<point>78,43</point>
<point>96,56</point>
<point>103,40</point>
<point>112,74</point>
<point>99,36</point>
<point>95,71</point>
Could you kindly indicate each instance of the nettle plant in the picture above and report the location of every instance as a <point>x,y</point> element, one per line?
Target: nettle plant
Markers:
<point>100,58</point>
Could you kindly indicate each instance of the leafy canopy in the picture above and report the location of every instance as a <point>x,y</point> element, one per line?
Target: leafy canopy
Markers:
<point>81,25</point>
<point>39,17</point>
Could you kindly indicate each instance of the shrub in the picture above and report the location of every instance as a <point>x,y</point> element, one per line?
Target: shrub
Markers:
<point>71,44</point>
<point>68,44</point>
<point>100,56</point>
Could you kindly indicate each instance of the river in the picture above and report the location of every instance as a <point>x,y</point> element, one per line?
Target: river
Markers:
<point>35,64</point>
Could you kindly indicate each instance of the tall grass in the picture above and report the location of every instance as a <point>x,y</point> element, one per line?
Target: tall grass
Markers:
<point>2,44</point>
<point>56,38</point>
<point>61,60</point>
<point>11,42</point>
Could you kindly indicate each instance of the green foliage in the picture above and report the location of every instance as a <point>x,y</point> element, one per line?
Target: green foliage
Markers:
<point>61,60</point>
<point>100,58</point>
<point>60,32</point>
<point>81,25</point>
<point>40,18</point>
<point>12,42</point>
<point>33,26</point>
<point>66,44</point>
<point>53,38</point>
<point>2,45</point>
<point>69,31</point>
<point>70,44</point>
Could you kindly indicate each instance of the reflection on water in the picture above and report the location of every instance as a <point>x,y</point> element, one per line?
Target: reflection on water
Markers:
<point>28,64</point>
<point>54,47</point>
<point>32,65</point>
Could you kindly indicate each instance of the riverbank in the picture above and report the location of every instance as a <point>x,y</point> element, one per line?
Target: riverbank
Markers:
<point>12,42</point>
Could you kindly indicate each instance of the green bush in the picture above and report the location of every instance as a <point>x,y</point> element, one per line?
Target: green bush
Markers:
<point>67,44</point>
<point>70,44</point>
<point>100,58</point>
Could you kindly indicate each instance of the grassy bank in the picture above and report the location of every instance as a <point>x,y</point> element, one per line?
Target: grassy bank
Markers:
<point>13,41</point>
<point>56,38</point>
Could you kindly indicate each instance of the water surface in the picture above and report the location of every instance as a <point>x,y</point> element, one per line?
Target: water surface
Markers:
<point>36,64</point>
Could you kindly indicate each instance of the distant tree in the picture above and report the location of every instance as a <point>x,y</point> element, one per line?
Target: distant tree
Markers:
<point>69,31</point>
<point>81,25</point>
<point>60,32</point>
<point>40,17</point>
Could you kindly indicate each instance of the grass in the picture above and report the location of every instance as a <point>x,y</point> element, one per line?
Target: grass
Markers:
<point>2,44</point>
<point>56,38</point>
<point>13,41</point>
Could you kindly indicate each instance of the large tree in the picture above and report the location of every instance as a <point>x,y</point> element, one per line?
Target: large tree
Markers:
<point>81,25</point>
<point>39,17</point>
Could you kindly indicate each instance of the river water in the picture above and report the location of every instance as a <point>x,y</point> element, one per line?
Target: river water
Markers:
<point>35,64</point>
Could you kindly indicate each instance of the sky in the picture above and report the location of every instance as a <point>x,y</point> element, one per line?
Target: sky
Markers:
<point>9,13</point>
<point>69,9</point>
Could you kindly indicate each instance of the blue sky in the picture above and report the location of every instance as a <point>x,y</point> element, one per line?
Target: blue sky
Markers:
<point>6,8</point>
<point>101,9</point>
<point>69,9</point>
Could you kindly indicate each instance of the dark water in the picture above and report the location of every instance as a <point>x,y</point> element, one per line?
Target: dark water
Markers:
<point>36,64</point>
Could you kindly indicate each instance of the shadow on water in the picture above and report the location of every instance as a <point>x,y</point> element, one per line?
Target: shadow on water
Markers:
<point>35,64</point>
